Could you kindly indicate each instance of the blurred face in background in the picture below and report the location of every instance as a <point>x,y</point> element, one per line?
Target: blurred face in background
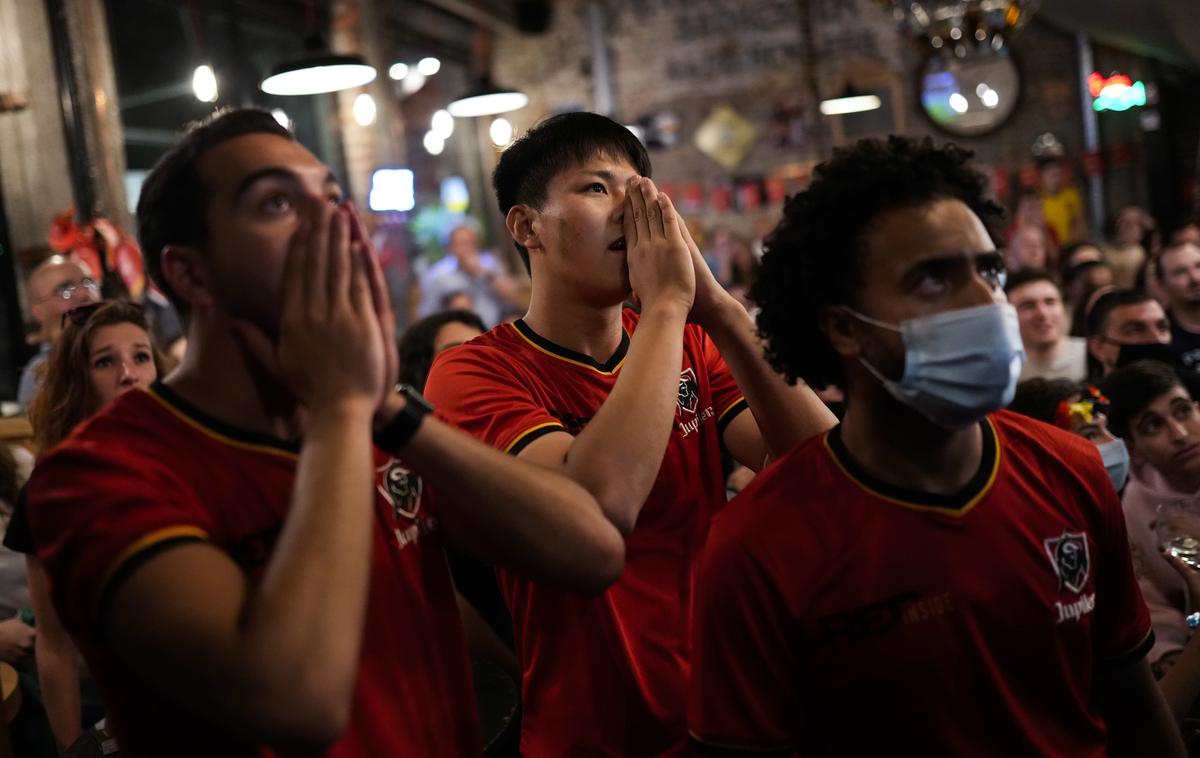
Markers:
<point>1040,313</point>
<point>453,334</point>
<point>1132,224</point>
<point>1180,267</point>
<point>1051,177</point>
<point>57,286</point>
<point>1028,248</point>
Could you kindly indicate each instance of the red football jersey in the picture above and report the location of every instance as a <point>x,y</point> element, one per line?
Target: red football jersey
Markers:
<point>602,675</point>
<point>839,615</point>
<point>150,471</point>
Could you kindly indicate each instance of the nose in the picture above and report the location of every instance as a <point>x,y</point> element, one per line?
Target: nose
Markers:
<point>128,375</point>
<point>1178,432</point>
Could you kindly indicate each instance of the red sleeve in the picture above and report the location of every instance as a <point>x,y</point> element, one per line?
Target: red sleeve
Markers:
<point>97,514</point>
<point>743,688</point>
<point>474,389</point>
<point>1122,630</point>
<point>728,400</point>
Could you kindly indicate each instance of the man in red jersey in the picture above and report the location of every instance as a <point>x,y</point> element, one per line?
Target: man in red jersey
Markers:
<point>633,406</point>
<point>934,576</point>
<point>239,589</point>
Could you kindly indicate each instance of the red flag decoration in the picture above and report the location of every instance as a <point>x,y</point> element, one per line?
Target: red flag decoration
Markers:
<point>693,198</point>
<point>720,198</point>
<point>1001,184</point>
<point>776,191</point>
<point>749,195</point>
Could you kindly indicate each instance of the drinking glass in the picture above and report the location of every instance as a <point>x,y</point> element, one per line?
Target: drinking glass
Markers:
<point>1178,529</point>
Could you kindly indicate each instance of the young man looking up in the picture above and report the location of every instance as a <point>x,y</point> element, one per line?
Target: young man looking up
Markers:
<point>635,407</point>
<point>239,589</point>
<point>954,580</point>
<point>1050,352</point>
<point>1153,412</point>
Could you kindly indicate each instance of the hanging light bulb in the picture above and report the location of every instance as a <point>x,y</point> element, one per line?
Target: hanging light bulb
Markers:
<point>204,83</point>
<point>412,83</point>
<point>433,143</point>
<point>501,132</point>
<point>364,109</point>
<point>429,66</point>
<point>443,124</point>
<point>398,71</point>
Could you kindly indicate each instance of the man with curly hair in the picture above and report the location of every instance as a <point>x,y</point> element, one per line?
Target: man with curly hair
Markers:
<point>934,576</point>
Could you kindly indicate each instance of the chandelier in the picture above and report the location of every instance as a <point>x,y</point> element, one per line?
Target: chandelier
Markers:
<point>961,26</point>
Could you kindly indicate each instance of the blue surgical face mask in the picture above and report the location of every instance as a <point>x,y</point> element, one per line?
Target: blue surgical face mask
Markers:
<point>959,365</point>
<point>1116,461</point>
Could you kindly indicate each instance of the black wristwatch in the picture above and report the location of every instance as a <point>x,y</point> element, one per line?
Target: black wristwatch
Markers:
<point>404,425</point>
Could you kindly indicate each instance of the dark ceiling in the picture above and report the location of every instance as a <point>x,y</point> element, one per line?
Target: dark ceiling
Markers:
<point>1162,29</point>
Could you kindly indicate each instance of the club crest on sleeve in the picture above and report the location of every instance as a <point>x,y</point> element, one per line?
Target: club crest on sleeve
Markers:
<point>689,392</point>
<point>401,487</point>
<point>1068,555</point>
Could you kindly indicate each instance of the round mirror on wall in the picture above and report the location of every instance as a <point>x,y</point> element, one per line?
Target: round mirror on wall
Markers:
<point>969,96</point>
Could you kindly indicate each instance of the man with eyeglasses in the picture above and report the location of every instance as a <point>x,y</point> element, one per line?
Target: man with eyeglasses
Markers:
<point>57,285</point>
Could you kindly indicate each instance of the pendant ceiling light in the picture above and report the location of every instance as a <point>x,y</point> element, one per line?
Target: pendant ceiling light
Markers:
<point>487,99</point>
<point>318,71</point>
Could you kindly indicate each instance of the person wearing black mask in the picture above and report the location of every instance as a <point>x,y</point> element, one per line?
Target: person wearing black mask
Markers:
<point>1125,326</point>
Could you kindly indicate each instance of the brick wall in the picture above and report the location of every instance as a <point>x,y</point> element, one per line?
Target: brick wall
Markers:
<point>689,56</point>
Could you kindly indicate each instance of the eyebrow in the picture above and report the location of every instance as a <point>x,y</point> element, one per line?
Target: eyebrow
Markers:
<point>953,259</point>
<point>608,176</point>
<point>274,172</point>
<point>106,348</point>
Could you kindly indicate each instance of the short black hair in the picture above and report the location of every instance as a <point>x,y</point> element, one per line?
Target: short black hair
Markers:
<point>560,142</point>
<point>1024,276</point>
<point>811,259</point>
<point>1132,388</point>
<point>1039,398</point>
<point>173,202</point>
<point>416,345</point>
<point>1105,304</point>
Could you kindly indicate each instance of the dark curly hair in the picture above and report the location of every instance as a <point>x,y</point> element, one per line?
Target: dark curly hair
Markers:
<point>811,258</point>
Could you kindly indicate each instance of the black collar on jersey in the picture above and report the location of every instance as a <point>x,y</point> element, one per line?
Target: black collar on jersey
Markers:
<point>217,428</point>
<point>989,464</point>
<point>562,352</point>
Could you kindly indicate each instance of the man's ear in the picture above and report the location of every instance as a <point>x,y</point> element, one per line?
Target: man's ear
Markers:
<point>521,223</point>
<point>1093,345</point>
<point>185,272</point>
<point>840,331</point>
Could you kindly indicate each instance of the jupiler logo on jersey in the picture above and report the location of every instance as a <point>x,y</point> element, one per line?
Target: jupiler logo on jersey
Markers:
<point>689,392</point>
<point>401,487</point>
<point>1068,554</point>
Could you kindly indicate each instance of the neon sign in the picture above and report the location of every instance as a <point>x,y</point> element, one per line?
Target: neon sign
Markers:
<point>1115,93</point>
